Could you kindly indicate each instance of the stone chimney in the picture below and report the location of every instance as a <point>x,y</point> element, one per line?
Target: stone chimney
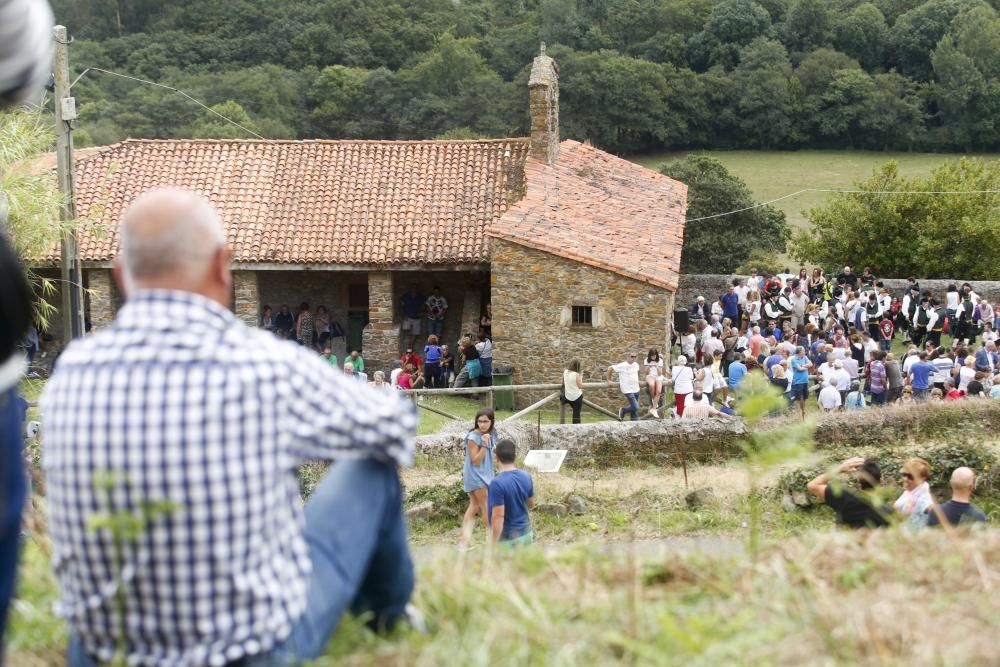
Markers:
<point>544,89</point>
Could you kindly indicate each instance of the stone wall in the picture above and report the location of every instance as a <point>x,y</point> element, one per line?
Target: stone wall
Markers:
<point>381,336</point>
<point>246,297</point>
<point>533,293</point>
<point>711,286</point>
<point>103,297</point>
<point>607,443</point>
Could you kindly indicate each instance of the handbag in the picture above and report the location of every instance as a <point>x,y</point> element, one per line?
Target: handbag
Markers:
<point>475,370</point>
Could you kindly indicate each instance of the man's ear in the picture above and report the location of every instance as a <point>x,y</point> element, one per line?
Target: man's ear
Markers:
<point>220,267</point>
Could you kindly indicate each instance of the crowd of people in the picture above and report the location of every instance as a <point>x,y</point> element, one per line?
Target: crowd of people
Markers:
<point>833,336</point>
<point>434,369</point>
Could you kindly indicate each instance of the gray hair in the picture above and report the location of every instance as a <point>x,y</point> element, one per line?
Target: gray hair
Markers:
<point>169,230</point>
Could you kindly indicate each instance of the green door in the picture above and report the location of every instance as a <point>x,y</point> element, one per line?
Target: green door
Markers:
<point>356,322</point>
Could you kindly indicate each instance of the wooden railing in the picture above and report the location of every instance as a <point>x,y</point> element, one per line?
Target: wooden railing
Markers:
<point>489,398</point>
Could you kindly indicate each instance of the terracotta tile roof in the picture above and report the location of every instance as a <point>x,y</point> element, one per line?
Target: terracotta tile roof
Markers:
<point>595,208</point>
<point>316,202</point>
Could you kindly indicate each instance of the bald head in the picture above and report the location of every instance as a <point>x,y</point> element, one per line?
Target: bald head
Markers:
<point>173,239</point>
<point>963,479</point>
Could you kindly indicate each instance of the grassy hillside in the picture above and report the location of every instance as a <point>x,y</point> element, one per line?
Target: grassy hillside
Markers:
<point>773,174</point>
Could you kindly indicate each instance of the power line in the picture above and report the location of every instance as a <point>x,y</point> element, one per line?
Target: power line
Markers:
<point>170,88</point>
<point>847,192</point>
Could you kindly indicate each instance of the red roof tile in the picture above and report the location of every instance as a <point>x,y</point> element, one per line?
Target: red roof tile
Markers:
<point>595,208</point>
<point>315,202</point>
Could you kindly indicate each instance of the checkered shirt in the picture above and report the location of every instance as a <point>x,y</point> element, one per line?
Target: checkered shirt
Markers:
<point>183,403</point>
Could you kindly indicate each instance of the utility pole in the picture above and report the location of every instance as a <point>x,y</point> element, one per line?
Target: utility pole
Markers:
<point>65,111</point>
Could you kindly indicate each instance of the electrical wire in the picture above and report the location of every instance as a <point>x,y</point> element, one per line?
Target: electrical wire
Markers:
<point>846,192</point>
<point>170,88</point>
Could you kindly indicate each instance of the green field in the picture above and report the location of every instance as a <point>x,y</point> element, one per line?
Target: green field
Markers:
<point>773,174</point>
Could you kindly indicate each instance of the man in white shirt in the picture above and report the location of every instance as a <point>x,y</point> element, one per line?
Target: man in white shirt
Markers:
<point>826,368</point>
<point>628,382</point>
<point>687,344</point>
<point>912,356</point>
<point>829,398</point>
<point>841,379</point>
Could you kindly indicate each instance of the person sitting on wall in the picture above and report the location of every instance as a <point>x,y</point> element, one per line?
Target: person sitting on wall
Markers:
<point>854,510</point>
<point>628,382</point>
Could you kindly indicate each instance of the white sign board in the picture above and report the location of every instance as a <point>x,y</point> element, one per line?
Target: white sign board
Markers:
<point>545,460</point>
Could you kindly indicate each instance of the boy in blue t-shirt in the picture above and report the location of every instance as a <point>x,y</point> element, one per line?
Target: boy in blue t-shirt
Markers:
<point>511,495</point>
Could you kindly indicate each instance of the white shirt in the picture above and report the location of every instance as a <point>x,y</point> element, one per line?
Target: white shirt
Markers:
<point>569,385</point>
<point>683,378</point>
<point>689,400</point>
<point>965,376</point>
<point>753,310</point>
<point>741,292</point>
<point>909,361</point>
<point>829,398</point>
<point>654,368</point>
<point>825,371</point>
<point>628,376</point>
<point>951,300</point>
<point>687,345</point>
<point>842,379</point>
<point>708,381</point>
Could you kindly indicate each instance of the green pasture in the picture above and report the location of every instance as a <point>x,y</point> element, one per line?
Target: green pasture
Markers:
<point>773,174</point>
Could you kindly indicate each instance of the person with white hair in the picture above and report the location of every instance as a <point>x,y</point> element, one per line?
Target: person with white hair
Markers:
<point>25,49</point>
<point>179,404</point>
<point>841,379</point>
<point>829,397</point>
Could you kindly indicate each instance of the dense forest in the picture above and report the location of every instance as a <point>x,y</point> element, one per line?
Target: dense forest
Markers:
<point>636,75</point>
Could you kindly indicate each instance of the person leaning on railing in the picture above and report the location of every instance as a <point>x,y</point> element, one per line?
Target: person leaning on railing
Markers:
<point>572,392</point>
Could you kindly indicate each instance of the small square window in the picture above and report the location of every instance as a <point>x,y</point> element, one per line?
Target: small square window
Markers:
<point>583,316</point>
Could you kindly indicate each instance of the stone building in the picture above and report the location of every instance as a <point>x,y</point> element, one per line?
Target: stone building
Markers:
<point>578,250</point>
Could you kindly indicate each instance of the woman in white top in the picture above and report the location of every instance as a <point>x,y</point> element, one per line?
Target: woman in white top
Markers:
<point>683,381</point>
<point>573,388</point>
<point>965,373</point>
<point>753,307</point>
<point>654,378</point>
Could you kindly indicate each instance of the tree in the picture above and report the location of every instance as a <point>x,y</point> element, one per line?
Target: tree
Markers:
<point>808,26</point>
<point>916,32</point>
<point>863,35</point>
<point>901,234</point>
<point>766,103</point>
<point>731,25</point>
<point>29,202</point>
<point>719,245</point>
<point>211,126</point>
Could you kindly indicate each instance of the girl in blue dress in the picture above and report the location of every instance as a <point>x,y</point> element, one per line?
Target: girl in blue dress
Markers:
<point>478,471</point>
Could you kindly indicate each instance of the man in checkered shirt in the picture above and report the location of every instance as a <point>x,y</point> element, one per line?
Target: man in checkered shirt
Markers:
<point>184,404</point>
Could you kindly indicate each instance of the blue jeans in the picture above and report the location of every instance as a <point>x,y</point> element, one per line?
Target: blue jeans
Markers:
<point>356,535</point>
<point>12,496</point>
<point>633,406</point>
<point>435,327</point>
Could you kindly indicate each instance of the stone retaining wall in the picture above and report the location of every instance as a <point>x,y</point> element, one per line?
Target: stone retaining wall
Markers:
<point>607,443</point>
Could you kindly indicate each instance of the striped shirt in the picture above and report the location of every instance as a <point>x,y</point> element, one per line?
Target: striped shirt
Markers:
<point>182,403</point>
